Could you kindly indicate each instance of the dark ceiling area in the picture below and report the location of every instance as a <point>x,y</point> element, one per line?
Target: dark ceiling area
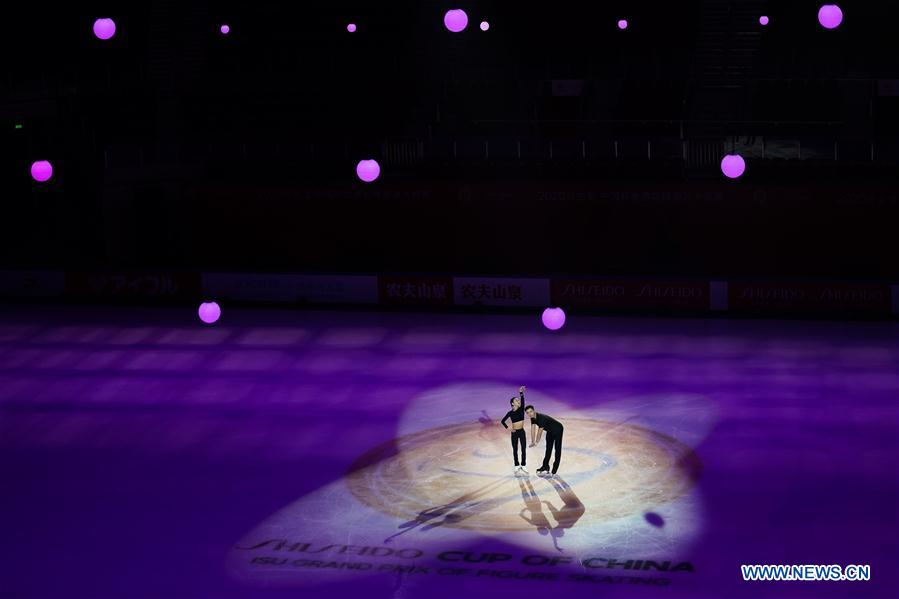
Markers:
<point>553,142</point>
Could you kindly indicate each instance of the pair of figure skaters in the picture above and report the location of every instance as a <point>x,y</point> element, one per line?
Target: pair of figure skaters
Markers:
<point>539,424</point>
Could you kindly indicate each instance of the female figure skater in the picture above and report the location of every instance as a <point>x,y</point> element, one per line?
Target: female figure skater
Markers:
<point>516,415</point>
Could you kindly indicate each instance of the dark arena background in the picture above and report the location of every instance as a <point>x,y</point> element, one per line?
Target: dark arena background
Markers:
<point>273,275</point>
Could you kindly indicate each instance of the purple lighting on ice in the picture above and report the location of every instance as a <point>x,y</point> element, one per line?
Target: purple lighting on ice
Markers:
<point>41,170</point>
<point>368,170</point>
<point>209,312</point>
<point>830,16</point>
<point>455,20</point>
<point>763,20</point>
<point>104,28</point>
<point>151,408</point>
<point>225,29</point>
<point>622,24</point>
<point>553,318</point>
<point>351,28</point>
<point>733,165</point>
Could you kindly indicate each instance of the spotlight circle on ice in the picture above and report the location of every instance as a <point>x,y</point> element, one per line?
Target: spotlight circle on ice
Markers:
<point>351,27</point>
<point>225,29</point>
<point>368,170</point>
<point>763,20</point>
<point>733,166</point>
<point>615,470</point>
<point>830,16</point>
<point>104,28</point>
<point>41,170</point>
<point>622,24</point>
<point>553,318</point>
<point>485,25</point>
<point>455,20</point>
<point>209,312</point>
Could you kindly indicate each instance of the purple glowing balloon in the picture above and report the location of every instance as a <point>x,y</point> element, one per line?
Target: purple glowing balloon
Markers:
<point>485,25</point>
<point>553,318</point>
<point>455,20</point>
<point>104,28</point>
<point>830,16</point>
<point>209,312</point>
<point>225,29</point>
<point>368,170</point>
<point>763,20</point>
<point>622,24</point>
<point>41,170</point>
<point>733,165</point>
<point>351,28</point>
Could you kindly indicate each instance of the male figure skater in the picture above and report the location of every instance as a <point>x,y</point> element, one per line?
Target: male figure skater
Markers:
<point>516,415</point>
<point>554,430</point>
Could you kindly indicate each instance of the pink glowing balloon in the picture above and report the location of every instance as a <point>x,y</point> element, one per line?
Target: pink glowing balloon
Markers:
<point>225,29</point>
<point>763,20</point>
<point>368,170</point>
<point>622,24</point>
<point>41,170</point>
<point>830,16</point>
<point>351,28</point>
<point>209,312</point>
<point>455,20</point>
<point>104,28</point>
<point>553,318</point>
<point>733,165</point>
<point>485,25</point>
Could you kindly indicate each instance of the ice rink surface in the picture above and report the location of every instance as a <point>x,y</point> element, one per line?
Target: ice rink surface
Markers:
<point>323,453</point>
